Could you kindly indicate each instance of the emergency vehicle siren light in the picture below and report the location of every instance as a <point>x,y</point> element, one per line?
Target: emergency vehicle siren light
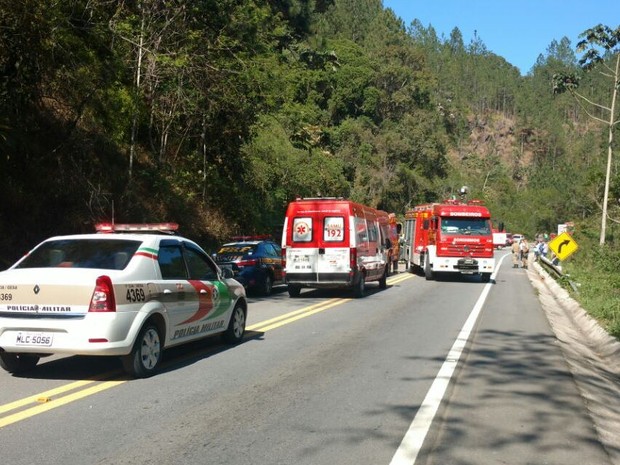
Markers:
<point>318,198</point>
<point>257,237</point>
<point>136,227</point>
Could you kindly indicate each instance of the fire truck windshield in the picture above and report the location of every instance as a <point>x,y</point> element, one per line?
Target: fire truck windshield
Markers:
<point>468,226</point>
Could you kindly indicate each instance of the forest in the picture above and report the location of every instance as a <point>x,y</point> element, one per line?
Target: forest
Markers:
<point>216,113</point>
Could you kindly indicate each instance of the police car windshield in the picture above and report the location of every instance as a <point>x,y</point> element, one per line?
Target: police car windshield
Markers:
<point>82,253</point>
<point>467,226</point>
<point>237,249</point>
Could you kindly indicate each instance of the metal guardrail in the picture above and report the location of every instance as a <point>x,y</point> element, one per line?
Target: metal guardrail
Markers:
<point>557,270</point>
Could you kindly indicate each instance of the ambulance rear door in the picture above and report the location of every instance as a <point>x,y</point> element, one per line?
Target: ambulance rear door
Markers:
<point>302,252</point>
<point>333,253</point>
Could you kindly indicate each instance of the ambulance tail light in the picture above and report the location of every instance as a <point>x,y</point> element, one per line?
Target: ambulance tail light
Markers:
<point>353,258</point>
<point>103,299</point>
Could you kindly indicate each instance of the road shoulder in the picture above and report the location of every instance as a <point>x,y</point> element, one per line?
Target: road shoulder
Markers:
<point>592,354</point>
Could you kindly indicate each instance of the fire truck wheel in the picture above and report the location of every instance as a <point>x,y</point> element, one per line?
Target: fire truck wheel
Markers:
<point>428,273</point>
<point>294,291</point>
<point>360,287</point>
<point>383,280</point>
<point>485,277</point>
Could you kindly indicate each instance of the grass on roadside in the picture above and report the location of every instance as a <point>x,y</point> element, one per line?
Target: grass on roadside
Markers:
<point>596,269</point>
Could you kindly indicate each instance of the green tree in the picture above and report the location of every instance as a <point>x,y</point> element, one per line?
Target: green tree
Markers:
<point>601,52</point>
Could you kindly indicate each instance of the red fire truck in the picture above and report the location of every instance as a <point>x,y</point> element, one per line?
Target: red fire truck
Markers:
<point>454,236</point>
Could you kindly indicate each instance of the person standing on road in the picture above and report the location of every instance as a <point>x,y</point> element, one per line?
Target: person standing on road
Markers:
<point>541,250</point>
<point>524,249</point>
<point>516,258</point>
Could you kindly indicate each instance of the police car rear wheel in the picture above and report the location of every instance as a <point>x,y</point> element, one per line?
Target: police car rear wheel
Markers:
<point>146,353</point>
<point>236,326</point>
<point>18,363</point>
<point>267,285</point>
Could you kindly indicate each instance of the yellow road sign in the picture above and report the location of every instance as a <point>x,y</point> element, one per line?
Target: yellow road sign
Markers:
<point>563,246</point>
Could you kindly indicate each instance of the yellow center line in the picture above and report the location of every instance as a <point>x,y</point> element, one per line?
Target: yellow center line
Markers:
<point>294,316</point>
<point>47,400</point>
<point>286,316</point>
<point>400,278</point>
<point>45,395</point>
<point>14,418</point>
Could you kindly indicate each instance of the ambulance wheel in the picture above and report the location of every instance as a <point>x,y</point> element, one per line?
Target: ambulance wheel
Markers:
<point>294,291</point>
<point>18,363</point>
<point>144,358</point>
<point>383,280</point>
<point>428,273</point>
<point>360,287</point>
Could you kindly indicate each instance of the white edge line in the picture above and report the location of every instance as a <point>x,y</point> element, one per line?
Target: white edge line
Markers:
<point>410,446</point>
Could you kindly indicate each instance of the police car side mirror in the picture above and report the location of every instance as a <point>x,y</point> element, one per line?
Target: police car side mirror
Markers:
<point>227,273</point>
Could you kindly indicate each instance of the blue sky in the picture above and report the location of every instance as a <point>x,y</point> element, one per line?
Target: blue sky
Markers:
<point>519,30</point>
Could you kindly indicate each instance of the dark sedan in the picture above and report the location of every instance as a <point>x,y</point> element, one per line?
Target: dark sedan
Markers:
<point>256,263</point>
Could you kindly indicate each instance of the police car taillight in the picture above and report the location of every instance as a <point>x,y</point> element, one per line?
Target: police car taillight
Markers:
<point>103,299</point>
<point>136,227</point>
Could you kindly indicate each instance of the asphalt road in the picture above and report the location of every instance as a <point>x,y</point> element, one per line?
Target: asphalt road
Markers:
<point>393,378</point>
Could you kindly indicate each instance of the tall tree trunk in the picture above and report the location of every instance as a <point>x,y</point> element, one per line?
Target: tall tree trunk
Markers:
<point>612,115</point>
<point>134,124</point>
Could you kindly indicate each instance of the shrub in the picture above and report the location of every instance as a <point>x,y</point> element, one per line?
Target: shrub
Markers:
<point>596,270</point>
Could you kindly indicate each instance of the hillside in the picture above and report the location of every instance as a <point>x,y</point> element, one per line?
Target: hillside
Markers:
<point>237,111</point>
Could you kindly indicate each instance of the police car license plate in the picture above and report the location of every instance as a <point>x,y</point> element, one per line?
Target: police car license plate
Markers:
<point>25,338</point>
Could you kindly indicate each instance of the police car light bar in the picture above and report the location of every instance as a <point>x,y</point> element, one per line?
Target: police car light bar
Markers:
<point>259,237</point>
<point>136,227</point>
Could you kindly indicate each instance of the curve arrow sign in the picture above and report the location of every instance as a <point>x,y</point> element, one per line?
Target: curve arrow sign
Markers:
<point>562,244</point>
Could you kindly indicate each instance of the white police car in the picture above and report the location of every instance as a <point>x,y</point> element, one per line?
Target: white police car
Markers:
<point>128,295</point>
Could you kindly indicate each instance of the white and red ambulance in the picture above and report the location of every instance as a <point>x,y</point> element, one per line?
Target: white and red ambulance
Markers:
<point>332,242</point>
